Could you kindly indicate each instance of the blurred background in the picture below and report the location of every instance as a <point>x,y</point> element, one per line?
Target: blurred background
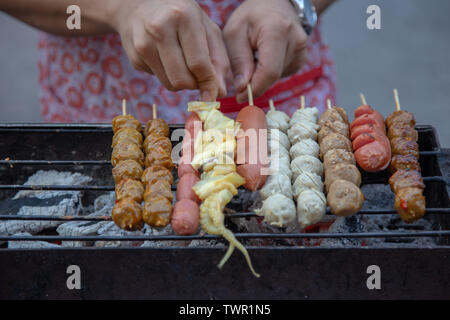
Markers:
<point>410,52</point>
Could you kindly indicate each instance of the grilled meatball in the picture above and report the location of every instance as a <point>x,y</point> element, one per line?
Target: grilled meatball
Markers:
<point>158,187</point>
<point>127,135</point>
<point>157,211</point>
<point>153,141</point>
<point>302,130</point>
<point>335,156</point>
<point>399,118</point>
<point>402,131</point>
<point>157,127</point>
<point>307,180</point>
<point>276,183</point>
<point>331,114</point>
<point>306,164</point>
<point>344,198</point>
<point>311,207</point>
<point>280,136</point>
<point>305,115</point>
<point>405,146</point>
<point>129,188</point>
<point>342,171</point>
<point>329,126</point>
<point>277,120</point>
<point>156,173</point>
<point>127,169</point>
<point>127,151</point>
<point>304,147</point>
<point>159,157</point>
<point>127,214</point>
<point>408,162</point>
<point>278,210</point>
<point>335,141</point>
<point>127,121</point>
<point>406,179</point>
<point>410,204</point>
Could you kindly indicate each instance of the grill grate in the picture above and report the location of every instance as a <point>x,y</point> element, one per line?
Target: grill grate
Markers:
<point>432,160</point>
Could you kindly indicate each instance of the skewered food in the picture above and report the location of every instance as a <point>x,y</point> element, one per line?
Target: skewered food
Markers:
<point>304,115</point>
<point>344,198</point>
<point>184,188</point>
<point>306,163</point>
<point>251,166</point>
<point>127,160</point>
<point>307,180</point>
<point>370,143</point>
<point>304,147</point>
<point>127,214</point>
<point>219,181</point>
<point>342,177</point>
<point>129,188</point>
<point>329,126</point>
<point>157,176</point>
<point>334,141</point>
<point>278,210</point>
<point>277,120</point>
<point>185,217</point>
<point>127,151</point>
<point>406,181</point>
<point>127,169</point>
<point>302,130</point>
<point>280,136</point>
<point>277,183</point>
<point>126,121</point>
<point>335,156</point>
<point>311,207</point>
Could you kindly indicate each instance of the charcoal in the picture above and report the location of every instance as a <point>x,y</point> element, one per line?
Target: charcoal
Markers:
<point>30,244</point>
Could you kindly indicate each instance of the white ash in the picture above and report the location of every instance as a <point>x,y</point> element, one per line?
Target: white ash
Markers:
<point>69,206</point>
<point>30,244</point>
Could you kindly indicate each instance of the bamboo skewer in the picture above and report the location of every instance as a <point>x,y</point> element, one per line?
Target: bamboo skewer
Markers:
<point>250,94</point>
<point>302,102</point>
<point>124,107</point>
<point>155,112</point>
<point>363,99</point>
<point>328,104</point>
<point>272,105</point>
<point>397,100</point>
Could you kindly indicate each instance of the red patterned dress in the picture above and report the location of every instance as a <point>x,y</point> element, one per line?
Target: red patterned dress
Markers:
<point>84,79</point>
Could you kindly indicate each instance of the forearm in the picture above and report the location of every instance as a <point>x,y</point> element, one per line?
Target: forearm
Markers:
<point>322,5</point>
<point>51,15</point>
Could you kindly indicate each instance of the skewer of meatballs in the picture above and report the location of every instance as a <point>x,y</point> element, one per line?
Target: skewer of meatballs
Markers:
<point>342,177</point>
<point>157,176</point>
<point>278,207</point>
<point>306,167</point>
<point>406,180</point>
<point>127,159</point>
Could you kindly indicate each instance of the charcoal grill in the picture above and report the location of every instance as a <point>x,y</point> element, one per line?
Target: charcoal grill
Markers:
<point>288,272</point>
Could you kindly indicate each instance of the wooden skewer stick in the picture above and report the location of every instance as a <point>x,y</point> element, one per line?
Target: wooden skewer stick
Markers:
<point>363,99</point>
<point>124,107</point>
<point>272,105</point>
<point>250,94</point>
<point>328,104</point>
<point>155,112</point>
<point>302,102</point>
<point>397,100</point>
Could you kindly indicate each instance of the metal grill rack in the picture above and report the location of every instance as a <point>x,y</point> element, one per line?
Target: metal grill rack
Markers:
<point>430,154</point>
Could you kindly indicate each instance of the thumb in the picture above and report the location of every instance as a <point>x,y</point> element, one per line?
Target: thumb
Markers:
<point>241,57</point>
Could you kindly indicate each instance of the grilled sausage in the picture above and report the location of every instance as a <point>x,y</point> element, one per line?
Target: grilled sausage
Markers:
<point>127,151</point>
<point>252,118</point>
<point>157,211</point>
<point>127,169</point>
<point>127,214</point>
<point>157,127</point>
<point>185,217</point>
<point>127,135</point>
<point>158,187</point>
<point>126,121</point>
<point>184,187</point>
<point>129,188</point>
<point>156,173</point>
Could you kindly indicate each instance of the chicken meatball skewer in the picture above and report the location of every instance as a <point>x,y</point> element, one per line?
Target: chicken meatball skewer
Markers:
<point>127,160</point>
<point>307,168</point>
<point>342,177</point>
<point>278,207</point>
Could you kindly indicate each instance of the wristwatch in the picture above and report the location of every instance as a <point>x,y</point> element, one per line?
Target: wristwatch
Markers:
<point>307,14</point>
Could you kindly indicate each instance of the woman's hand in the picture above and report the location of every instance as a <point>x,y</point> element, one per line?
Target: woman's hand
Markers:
<point>176,41</point>
<point>271,28</point>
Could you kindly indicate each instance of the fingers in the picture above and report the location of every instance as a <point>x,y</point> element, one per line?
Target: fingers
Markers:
<point>272,47</point>
<point>218,54</point>
<point>241,57</point>
<point>193,40</point>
